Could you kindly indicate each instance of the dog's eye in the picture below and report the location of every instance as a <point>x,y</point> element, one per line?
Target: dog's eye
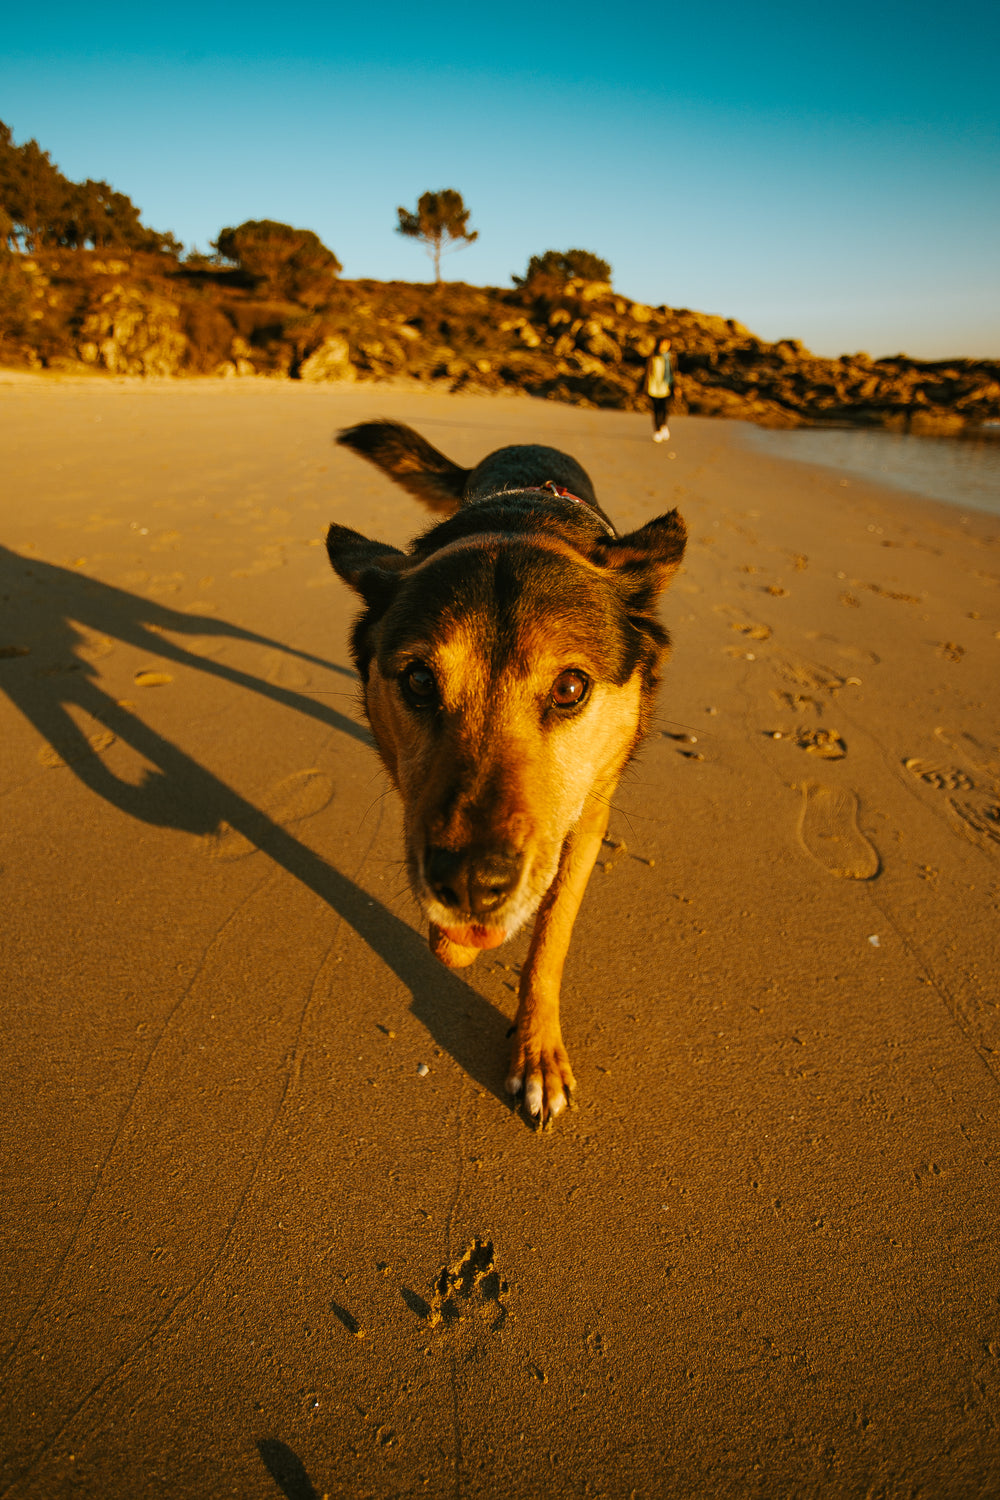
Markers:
<point>570,689</point>
<point>418,685</point>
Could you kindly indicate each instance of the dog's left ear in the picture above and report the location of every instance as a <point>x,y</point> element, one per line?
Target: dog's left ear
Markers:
<point>645,560</point>
<point>371,568</point>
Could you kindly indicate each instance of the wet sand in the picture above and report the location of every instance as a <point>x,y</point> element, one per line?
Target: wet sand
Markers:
<point>250,1249</point>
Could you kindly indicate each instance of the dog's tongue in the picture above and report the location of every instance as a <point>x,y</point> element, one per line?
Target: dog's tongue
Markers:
<point>475,936</point>
<point>457,947</point>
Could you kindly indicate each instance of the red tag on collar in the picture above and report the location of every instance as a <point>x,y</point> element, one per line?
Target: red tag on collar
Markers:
<point>561,493</point>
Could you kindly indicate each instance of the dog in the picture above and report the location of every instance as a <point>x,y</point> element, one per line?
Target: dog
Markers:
<point>509,659</point>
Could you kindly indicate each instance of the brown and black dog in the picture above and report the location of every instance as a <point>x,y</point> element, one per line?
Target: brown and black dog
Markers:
<point>509,659</point>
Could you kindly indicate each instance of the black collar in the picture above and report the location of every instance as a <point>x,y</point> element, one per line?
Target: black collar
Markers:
<point>561,493</point>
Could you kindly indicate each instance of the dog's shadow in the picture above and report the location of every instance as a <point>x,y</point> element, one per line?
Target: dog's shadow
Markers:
<point>45,671</point>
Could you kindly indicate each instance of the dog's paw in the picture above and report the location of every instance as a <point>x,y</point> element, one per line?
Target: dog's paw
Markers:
<point>540,1072</point>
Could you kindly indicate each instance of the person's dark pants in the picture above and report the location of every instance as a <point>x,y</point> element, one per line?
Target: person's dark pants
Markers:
<point>659,411</point>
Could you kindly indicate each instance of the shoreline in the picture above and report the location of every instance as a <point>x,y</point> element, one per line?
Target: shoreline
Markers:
<point>958,469</point>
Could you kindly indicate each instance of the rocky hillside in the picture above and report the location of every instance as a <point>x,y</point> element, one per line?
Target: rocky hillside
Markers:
<point>149,314</point>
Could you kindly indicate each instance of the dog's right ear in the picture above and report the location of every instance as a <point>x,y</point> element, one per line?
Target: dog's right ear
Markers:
<point>371,568</point>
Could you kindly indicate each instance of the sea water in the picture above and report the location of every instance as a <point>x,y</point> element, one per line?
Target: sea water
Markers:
<point>961,470</point>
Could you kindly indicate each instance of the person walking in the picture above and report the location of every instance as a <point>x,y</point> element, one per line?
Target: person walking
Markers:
<point>659,385</point>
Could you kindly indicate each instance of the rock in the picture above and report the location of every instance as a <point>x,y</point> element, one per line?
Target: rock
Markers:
<point>593,338</point>
<point>587,364</point>
<point>133,332</point>
<point>590,291</point>
<point>331,361</point>
<point>936,424</point>
<point>640,346</point>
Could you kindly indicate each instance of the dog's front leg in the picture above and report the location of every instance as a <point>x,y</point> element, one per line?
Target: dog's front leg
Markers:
<point>539,1063</point>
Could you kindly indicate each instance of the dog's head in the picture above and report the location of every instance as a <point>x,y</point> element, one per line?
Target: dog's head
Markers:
<point>508,676</point>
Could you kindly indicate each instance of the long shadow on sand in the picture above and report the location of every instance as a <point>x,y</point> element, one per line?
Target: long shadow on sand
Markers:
<point>43,606</point>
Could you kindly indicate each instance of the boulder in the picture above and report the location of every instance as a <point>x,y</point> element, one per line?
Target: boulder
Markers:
<point>331,361</point>
<point>596,341</point>
<point>132,331</point>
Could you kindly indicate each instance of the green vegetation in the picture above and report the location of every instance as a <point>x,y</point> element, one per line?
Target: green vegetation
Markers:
<point>282,262</point>
<point>42,209</point>
<point>556,267</point>
<point>441,222</point>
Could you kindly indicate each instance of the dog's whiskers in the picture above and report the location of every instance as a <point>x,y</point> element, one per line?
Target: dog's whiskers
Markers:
<point>371,807</point>
<point>666,725</point>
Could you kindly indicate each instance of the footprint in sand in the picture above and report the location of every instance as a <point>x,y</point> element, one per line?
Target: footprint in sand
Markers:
<point>857,654</point>
<point>268,559</point>
<point>828,830</point>
<point>202,645</point>
<point>54,756</point>
<point>164,583</point>
<point>148,678</point>
<point>982,757</point>
<point>298,796</point>
<point>980,824</point>
<point>755,629</point>
<point>978,821</point>
<point>472,1288</point>
<point>811,675</point>
<point>828,744</point>
<point>92,645</point>
<point>945,778</point>
<point>283,670</point>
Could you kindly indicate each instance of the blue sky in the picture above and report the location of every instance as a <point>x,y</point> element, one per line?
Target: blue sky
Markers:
<point>830,176</point>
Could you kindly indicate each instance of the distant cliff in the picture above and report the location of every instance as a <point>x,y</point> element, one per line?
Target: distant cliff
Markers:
<point>144,313</point>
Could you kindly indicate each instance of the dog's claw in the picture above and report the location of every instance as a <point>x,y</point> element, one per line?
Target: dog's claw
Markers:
<point>544,1085</point>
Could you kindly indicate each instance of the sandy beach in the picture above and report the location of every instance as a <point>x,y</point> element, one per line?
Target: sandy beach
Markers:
<point>271,1226</point>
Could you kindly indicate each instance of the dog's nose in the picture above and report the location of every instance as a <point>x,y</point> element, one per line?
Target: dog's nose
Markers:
<point>476,880</point>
